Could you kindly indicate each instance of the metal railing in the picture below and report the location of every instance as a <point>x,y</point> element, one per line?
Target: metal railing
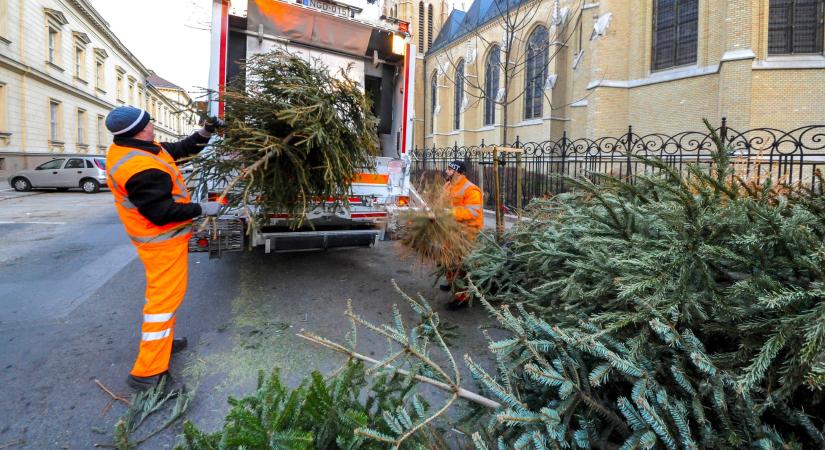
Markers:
<point>788,157</point>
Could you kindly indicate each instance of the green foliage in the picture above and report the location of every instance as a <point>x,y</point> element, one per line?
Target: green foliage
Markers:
<point>297,134</point>
<point>318,414</point>
<point>679,311</point>
<point>683,310</point>
<point>143,405</point>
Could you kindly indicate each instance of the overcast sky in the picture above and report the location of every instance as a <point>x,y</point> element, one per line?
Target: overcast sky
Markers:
<point>170,37</point>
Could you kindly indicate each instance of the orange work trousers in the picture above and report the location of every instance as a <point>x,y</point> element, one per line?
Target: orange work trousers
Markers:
<point>166,265</point>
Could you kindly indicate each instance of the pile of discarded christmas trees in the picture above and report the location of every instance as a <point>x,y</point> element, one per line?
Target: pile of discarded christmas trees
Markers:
<point>680,311</point>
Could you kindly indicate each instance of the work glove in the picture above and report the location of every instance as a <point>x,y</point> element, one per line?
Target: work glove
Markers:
<point>210,208</point>
<point>213,123</point>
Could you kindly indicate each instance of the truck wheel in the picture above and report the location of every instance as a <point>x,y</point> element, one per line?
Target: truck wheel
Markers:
<point>89,186</point>
<point>21,184</point>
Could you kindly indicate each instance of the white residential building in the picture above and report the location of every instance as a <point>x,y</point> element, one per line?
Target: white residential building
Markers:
<point>61,71</point>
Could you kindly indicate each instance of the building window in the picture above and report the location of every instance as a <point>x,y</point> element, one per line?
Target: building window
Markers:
<point>421,27</point>
<point>491,81</point>
<point>100,74</point>
<point>433,99</point>
<point>429,26</point>
<point>535,71</point>
<point>54,45</point>
<point>4,17</point>
<point>140,96</point>
<point>119,87</point>
<point>55,122</point>
<point>131,98</point>
<point>675,33</point>
<point>2,108</point>
<point>458,98</point>
<point>79,62</point>
<point>101,131</point>
<point>795,27</point>
<point>81,127</point>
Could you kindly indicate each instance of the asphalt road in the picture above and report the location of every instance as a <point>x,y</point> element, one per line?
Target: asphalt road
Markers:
<point>71,291</point>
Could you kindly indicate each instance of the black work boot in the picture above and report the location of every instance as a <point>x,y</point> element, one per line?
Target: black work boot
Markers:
<point>146,383</point>
<point>445,287</point>
<point>179,345</point>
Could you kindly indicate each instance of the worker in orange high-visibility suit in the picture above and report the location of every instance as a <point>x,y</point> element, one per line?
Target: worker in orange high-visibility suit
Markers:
<point>467,202</point>
<point>154,206</point>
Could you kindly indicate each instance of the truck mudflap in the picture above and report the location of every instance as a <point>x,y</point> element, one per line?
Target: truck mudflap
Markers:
<point>301,241</point>
<point>223,234</point>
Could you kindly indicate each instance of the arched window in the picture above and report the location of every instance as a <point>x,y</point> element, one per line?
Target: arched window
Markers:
<point>429,26</point>
<point>459,94</point>
<point>535,71</point>
<point>491,79</point>
<point>433,99</point>
<point>421,27</point>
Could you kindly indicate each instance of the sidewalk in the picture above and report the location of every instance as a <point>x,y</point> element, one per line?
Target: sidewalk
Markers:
<point>490,220</point>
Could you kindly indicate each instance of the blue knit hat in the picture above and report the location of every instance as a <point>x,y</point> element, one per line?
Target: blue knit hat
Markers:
<point>126,121</point>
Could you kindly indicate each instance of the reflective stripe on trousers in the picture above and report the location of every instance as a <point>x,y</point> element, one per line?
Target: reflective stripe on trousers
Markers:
<point>166,265</point>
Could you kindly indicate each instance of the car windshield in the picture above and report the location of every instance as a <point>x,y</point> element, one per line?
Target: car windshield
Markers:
<point>100,163</point>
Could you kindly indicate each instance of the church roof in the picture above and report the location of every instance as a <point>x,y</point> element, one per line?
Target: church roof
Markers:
<point>460,23</point>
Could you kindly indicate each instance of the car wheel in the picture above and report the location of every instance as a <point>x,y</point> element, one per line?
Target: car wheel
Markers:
<point>21,184</point>
<point>89,186</point>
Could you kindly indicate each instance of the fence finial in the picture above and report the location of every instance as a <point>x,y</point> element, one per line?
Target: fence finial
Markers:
<point>723,130</point>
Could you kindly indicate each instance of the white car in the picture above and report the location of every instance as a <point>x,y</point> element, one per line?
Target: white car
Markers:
<point>87,173</point>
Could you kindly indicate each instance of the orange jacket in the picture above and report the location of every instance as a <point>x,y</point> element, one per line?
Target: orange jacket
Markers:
<point>124,162</point>
<point>467,202</point>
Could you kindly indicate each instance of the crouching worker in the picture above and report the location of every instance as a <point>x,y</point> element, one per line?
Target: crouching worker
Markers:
<point>467,203</point>
<point>154,206</point>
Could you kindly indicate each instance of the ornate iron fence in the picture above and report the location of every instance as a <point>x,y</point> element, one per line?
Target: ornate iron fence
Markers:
<point>790,157</point>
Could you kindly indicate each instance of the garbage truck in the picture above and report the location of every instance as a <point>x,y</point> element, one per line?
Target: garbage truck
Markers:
<point>378,55</point>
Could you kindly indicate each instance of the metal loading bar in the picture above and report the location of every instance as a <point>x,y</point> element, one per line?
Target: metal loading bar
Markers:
<point>317,240</point>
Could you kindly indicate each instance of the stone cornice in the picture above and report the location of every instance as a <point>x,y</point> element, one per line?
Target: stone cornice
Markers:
<point>43,77</point>
<point>99,24</point>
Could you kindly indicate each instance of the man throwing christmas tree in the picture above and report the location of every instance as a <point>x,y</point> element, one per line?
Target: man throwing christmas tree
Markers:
<point>467,202</point>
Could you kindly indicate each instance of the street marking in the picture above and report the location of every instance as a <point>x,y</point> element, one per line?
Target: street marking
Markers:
<point>8,222</point>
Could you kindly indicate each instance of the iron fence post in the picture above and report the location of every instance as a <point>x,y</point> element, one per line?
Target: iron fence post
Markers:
<point>723,130</point>
<point>480,165</point>
<point>627,151</point>
<point>563,162</point>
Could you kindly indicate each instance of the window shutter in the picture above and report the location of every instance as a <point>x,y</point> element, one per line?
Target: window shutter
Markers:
<point>421,27</point>
<point>429,26</point>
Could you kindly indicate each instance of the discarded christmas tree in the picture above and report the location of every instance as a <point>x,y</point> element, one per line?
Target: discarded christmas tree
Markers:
<point>297,134</point>
<point>431,233</point>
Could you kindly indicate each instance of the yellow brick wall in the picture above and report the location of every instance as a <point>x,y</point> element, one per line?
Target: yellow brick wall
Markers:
<point>751,91</point>
<point>787,99</point>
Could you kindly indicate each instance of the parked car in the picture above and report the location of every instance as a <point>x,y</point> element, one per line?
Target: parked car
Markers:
<point>85,172</point>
